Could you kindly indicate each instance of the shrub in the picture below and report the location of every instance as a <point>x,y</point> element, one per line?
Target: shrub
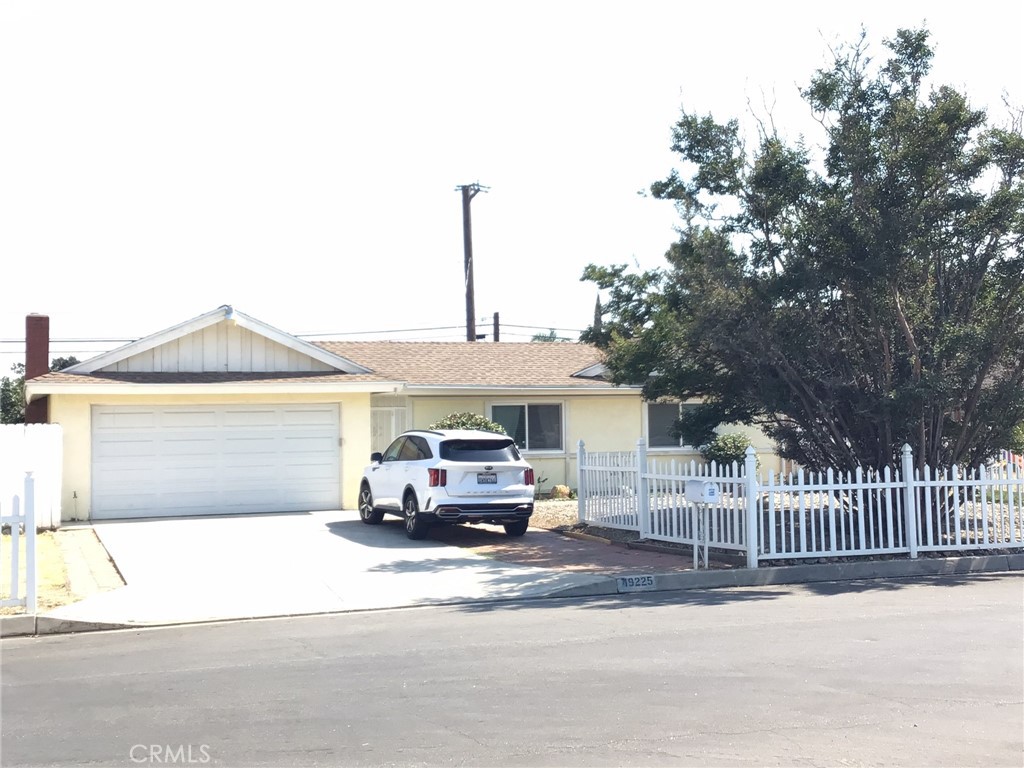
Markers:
<point>561,492</point>
<point>725,449</point>
<point>467,421</point>
<point>1016,442</point>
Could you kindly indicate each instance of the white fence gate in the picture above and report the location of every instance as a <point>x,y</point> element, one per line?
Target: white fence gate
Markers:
<point>39,449</point>
<point>17,512</point>
<point>800,515</point>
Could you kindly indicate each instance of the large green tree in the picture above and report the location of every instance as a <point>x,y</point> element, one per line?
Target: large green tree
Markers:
<point>12,396</point>
<point>848,295</point>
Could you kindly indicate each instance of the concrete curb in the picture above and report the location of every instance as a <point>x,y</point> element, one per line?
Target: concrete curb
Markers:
<point>797,574</point>
<point>19,626</point>
<point>12,626</point>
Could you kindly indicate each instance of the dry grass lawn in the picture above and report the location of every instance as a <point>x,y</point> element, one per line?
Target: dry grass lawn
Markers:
<point>52,588</point>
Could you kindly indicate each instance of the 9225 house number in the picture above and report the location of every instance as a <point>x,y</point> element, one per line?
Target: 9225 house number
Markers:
<point>636,583</point>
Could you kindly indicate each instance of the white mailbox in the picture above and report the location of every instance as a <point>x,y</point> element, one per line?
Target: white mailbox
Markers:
<point>701,490</point>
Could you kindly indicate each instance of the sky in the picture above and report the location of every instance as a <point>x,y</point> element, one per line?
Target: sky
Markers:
<point>299,160</point>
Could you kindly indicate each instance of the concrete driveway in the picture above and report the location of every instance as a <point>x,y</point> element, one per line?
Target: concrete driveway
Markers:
<point>199,569</point>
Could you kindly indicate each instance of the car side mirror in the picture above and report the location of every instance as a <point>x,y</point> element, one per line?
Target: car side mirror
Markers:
<point>376,457</point>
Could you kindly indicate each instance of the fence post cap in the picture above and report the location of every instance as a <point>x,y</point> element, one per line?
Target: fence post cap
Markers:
<point>907,449</point>
<point>580,443</point>
<point>750,451</point>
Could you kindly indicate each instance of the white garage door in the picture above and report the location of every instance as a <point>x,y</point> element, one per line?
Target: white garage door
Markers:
<point>151,461</point>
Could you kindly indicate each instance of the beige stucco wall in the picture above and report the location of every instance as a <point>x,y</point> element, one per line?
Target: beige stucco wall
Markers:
<point>426,410</point>
<point>74,414</point>
<point>605,422</point>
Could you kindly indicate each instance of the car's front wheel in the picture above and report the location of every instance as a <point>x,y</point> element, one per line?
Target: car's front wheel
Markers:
<point>416,525</point>
<point>518,528</point>
<point>367,513</point>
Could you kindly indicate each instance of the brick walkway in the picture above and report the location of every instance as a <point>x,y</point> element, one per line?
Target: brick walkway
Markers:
<point>547,549</point>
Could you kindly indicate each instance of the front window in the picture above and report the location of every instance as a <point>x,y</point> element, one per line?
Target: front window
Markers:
<point>661,420</point>
<point>534,426</point>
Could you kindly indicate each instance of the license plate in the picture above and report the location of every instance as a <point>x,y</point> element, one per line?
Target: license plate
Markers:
<point>486,478</point>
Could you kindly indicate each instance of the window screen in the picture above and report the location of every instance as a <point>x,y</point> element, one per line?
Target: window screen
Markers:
<point>534,427</point>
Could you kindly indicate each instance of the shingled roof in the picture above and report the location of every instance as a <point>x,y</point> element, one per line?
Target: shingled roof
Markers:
<point>480,364</point>
<point>414,363</point>
<point>217,350</point>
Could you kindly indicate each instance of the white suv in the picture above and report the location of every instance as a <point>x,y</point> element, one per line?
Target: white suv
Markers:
<point>449,476</point>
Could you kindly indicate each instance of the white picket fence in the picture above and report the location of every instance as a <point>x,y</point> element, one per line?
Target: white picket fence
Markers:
<point>39,449</point>
<point>17,519</point>
<point>800,515</point>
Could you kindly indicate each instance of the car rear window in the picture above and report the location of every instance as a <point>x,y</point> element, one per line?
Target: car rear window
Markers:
<point>502,449</point>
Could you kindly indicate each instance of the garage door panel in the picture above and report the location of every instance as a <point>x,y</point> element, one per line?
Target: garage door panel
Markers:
<point>315,445</point>
<point>309,417</point>
<point>261,417</point>
<point>207,460</point>
<point>134,501</point>
<point>136,476</point>
<point>306,472</point>
<point>260,476</point>
<point>175,477</point>
<point>173,448</point>
<point>188,420</point>
<point>240,446</point>
<point>126,449</point>
<point>132,419</point>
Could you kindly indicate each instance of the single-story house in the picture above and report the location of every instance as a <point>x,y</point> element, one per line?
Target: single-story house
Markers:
<point>224,413</point>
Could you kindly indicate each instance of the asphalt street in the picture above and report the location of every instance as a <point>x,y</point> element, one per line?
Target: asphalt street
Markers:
<point>902,672</point>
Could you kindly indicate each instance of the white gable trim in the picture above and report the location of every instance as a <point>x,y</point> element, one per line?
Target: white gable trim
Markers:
<point>228,313</point>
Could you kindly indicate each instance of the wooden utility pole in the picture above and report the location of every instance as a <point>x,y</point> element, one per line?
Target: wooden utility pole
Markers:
<point>496,328</point>
<point>469,191</point>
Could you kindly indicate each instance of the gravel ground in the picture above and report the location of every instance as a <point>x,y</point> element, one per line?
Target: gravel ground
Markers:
<point>564,515</point>
<point>554,514</point>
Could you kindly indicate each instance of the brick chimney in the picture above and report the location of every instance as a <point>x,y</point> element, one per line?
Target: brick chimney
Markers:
<point>37,362</point>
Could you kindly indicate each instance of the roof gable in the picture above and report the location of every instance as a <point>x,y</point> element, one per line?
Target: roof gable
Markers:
<point>221,341</point>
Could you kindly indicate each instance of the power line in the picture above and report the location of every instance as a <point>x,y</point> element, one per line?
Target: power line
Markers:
<point>73,341</point>
<point>530,336</point>
<point>394,330</point>
<point>543,328</point>
<point>317,335</point>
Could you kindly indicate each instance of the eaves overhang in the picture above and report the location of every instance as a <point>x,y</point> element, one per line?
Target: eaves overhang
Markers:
<point>463,389</point>
<point>35,389</point>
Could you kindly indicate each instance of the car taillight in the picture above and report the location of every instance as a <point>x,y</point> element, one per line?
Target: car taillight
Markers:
<point>437,477</point>
<point>528,476</point>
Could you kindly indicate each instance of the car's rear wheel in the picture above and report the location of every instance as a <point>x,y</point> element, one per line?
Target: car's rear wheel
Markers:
<point>518,528</point>
<point>416,525</point>
<point>367,513</point>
